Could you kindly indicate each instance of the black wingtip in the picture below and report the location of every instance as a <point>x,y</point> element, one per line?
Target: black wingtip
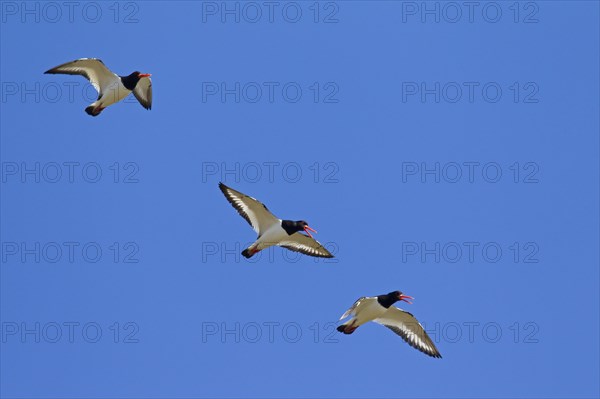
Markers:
<point>328,255</point>
<point>246,253</point>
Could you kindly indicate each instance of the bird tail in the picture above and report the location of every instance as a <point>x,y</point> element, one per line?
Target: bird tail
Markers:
<point>93,111</point>
<point>346,328</point>
<point>249,252</point>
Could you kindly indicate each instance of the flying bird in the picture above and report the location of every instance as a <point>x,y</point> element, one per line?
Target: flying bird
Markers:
<point>271,230</point>
<point>380,310</point>
<point>111,87</point>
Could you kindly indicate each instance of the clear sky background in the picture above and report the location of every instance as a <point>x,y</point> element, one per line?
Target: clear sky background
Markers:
<point>503,261</point>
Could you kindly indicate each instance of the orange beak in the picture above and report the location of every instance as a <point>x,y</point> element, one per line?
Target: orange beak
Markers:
<point>306,229</point>
<point>405,298</point>
<point>145,75</point>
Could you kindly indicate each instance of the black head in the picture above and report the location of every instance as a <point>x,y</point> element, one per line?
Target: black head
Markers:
<point>292,227</point>
<point>131,80</point>
<point>302,224</point>
<point>395,294</point>
<point>391,298</point>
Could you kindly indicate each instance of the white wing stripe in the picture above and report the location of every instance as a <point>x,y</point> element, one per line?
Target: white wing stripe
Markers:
<point>92,69</point>
<point>405,325</point>
<point>143,92</point>
<point>309,246</point>
<point>255,213</point>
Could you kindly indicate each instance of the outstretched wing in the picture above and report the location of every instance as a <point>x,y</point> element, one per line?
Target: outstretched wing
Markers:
<point>254,211</point>
<point>299,242</point>
<point>92,69</point>
<point>143,92</point>
<point>405,325</point>
<point>352,311</point>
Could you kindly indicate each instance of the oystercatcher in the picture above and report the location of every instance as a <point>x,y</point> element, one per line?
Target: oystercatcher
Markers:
<point>380,310</point>
<point>271,230</point>
<point>111,87</point>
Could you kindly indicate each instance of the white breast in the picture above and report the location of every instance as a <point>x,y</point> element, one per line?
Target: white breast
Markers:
<point>370,311</point>
<point>273,236</point>
<point>114,93</point>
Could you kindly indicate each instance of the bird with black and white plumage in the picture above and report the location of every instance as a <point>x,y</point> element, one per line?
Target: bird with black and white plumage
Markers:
<point>380,310</point>
<point>272,230</point>
<point>111,87</point>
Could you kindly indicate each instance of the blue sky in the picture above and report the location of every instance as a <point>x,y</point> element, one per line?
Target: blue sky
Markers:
<point>447,152</point>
